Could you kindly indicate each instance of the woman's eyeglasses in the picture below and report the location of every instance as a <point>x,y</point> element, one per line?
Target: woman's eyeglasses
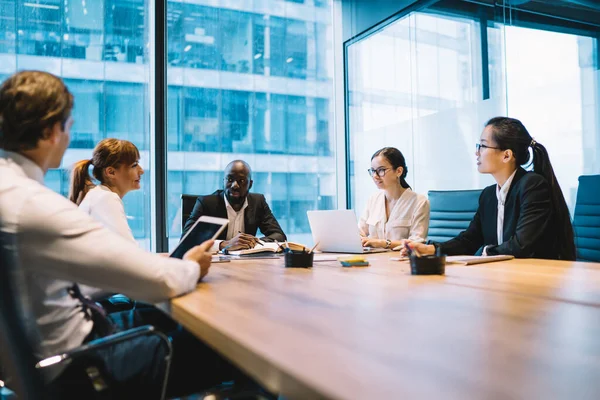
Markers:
<point>479,146</point>
<point>379,171</point>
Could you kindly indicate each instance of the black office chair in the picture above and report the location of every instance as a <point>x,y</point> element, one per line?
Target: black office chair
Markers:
<point>187,206</point>
<point>451,212</point>
<point>23,372</point>
<point>16,358</point>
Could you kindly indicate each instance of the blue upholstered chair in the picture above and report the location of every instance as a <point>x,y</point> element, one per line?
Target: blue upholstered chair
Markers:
<point>587,218</point>
<point>451,212</point>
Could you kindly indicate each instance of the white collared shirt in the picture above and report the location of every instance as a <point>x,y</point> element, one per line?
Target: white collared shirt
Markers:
<point>236,218</point>
<point>409,219</point>
<point>501,193</point>
<point>236,222</point>
<point>57,244</point>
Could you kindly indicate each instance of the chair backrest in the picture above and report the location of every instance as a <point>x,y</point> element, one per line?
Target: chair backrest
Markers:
<point>17,355</point>
<point>586,222</point>
<point>187,206</point>
<point>451,212</point>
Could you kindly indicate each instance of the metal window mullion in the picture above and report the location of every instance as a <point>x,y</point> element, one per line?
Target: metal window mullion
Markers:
<point>158,118</point>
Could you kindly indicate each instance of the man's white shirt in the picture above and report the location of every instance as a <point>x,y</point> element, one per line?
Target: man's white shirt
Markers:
<point>56,244</point>
<point>236,221</point>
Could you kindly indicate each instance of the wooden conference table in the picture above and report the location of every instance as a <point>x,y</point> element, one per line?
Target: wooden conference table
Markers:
<point>512,329</point>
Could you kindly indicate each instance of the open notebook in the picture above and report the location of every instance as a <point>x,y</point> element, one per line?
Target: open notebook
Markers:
<point>472,260</point>
<point>465,260</point>
<point>268,247</point>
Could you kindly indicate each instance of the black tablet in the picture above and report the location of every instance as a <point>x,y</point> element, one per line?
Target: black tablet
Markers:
<point>204,229</point>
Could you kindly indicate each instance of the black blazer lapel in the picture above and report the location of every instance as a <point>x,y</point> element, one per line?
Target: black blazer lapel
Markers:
<point>511,190</point>
<point>490,221</point>
<point>250,216</point>
<point>510,206</point>
<point>221,209</point>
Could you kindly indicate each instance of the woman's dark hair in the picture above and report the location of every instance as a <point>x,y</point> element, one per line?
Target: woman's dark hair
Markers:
<point>394,157</point>
<point>510,134</point>
<point>108,153</point>
<point>30,103</point>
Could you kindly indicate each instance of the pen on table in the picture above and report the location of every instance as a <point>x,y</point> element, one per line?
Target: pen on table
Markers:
<point>408,249</point>
<point>258,241</point>
<point>280,246</point>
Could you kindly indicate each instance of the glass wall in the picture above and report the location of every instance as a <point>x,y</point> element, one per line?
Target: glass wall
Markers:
<point>427,83</point>
<point>249,80</point>
<point>99,47</point>
<point>252,82</point>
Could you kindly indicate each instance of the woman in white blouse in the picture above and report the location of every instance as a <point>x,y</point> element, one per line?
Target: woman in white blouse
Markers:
<point>116,167</point>
<point>395,212</point>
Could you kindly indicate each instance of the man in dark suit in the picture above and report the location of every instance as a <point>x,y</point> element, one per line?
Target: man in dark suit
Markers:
<point>245,211</point>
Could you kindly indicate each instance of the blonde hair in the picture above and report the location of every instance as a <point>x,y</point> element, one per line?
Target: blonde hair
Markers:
<point>107,153</point>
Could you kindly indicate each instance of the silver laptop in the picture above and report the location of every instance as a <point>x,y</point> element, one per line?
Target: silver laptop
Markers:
<point>336,231</point>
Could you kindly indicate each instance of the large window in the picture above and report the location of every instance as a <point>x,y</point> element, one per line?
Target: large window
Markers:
<point>99,47</point>
<point>249,80</point>
<point>252,83</point>
<point>555,92</point>
<point>427,83</point>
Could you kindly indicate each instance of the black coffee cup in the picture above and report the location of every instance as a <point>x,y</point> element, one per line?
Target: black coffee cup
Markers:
<point>427,265</point>
<point>298,259</point>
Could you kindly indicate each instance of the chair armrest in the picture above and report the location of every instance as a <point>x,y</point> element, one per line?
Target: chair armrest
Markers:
<point>116,302</point>
<point>102,343</point>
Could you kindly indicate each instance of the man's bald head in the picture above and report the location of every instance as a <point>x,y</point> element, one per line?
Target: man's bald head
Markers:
<point>238,165</point>
<point>238,181</point>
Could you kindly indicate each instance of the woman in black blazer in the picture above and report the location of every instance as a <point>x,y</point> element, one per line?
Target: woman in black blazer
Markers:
<point>528,206</point>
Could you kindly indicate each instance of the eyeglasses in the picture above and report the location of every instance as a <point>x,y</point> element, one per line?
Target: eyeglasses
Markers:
<point>479,146</point>
<point>379,171</point>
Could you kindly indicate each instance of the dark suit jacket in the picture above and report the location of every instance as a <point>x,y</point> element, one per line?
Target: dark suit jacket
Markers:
<point>257,215</point>
<point>529,229</point>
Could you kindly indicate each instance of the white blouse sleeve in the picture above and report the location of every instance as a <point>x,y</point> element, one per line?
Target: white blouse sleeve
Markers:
<point>362,221</point>
<point>109,211</point>
<point>420,222</point>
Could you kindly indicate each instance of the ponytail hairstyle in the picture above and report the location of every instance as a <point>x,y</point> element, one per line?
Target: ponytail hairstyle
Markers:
<point>81,181</point>
<point>108,153</point>
<point>511,134</point>
<point>394,157</point>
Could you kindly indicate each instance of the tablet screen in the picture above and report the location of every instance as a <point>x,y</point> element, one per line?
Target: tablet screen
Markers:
<point>202,231</point>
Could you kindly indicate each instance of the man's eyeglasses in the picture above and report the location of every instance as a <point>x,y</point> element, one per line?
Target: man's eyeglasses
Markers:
<point>379,171</point>
<point>479,146</point>
<point>241,181</point>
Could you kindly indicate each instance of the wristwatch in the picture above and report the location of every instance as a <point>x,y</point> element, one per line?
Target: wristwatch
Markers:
<point>388,243</point>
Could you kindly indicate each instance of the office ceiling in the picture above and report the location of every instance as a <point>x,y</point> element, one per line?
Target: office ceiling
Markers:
<point>587,11</point>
